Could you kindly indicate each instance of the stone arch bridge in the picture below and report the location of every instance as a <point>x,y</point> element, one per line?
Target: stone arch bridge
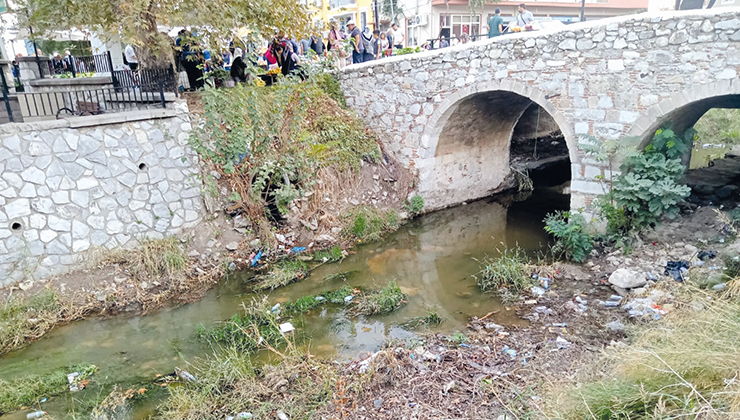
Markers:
<point>449,114</point>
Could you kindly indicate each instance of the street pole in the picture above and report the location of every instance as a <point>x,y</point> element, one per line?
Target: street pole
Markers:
<point>583,10</point>
<point>377,18</point>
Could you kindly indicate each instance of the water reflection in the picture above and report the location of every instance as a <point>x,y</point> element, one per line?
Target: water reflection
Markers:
<point>433,259</point>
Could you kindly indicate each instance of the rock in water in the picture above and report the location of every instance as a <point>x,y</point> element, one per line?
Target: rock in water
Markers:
<point>627,279</point>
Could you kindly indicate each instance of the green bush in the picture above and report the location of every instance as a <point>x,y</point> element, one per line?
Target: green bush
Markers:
<point>649,189</point>
<point>415,205</point>
<point>507,271</point>
<point>369,225</point>
<point>572,239</point>
<point>330,85</point>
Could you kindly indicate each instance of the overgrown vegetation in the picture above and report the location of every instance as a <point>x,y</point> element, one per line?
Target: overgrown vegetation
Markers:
<point>229,382</point>
<point>415,205</point>
<point>27,391</point>
<point>686,366</point>
<point>369,225</point>
<point>330,255</point>
<point>25,320</point>
<point>649,186</point>
<point>509,271</point>
<point>719,125</point>
<point>271,144</point>
<point>573,241</point>
<point>246,333</point>
<point>382,301</point>
<point>282,273</point>
<point>329,83</point>
<point>153,258</point>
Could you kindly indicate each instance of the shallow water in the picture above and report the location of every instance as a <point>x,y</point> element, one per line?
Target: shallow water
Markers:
<point>433,259</point>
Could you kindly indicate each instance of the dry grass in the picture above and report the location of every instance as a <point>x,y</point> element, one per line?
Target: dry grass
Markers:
<point>686,366</point>
<point>25,320</point>
<point>153,258</point>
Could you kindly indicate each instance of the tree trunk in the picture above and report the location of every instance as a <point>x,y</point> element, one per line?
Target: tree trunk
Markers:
<point>156,48</point>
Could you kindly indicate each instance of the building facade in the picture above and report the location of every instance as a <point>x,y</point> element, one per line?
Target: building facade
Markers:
<point>430,19</point>
<point>341,11</point>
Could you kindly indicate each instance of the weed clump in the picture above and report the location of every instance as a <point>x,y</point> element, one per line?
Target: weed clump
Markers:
<point>27,391</point>
<point>282,273</point>
<point>153,258</point>
<point>382,301</point>
<point>572,239</point>
<point>369,225</point>
<point>685,366</point>
<point>24,320</point>
<point>509,271</point>
<point>330,255</point>
<point>415,205</point>
<point>246,333</point>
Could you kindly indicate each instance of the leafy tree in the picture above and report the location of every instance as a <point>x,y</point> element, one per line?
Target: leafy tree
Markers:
<point>392,10</point>
<point>135,21</point>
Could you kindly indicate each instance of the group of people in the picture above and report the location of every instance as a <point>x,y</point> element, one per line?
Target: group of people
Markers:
<point>366,45</point>
<point>67,64</point>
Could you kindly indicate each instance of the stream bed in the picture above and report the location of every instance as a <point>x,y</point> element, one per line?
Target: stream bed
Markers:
<point>433,259</point>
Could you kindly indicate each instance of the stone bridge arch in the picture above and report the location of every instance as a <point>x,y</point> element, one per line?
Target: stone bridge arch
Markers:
<point>466,141</point>
<point>684,108</point>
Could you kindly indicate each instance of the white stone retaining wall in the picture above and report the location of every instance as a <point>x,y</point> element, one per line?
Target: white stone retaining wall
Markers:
<point>606,79</point>
<point>69,187</point>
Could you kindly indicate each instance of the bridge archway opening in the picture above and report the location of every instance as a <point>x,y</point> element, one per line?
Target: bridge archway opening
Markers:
<point>487,137</point>
<point>712,128</point>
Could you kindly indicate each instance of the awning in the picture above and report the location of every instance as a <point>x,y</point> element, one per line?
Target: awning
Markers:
<point>70,35</point>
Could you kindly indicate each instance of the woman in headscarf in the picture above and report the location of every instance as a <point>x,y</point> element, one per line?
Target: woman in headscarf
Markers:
<point>238,66</point>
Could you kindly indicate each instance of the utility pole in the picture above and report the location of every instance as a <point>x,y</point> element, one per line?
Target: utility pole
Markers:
<point>583,10</point>
<point>377,18</point>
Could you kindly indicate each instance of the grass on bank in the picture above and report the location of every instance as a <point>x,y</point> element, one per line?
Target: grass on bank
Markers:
<point>27,391</point>
<point>25,320</point>
<point>685,366</point>
<point>153,258</point>
<point>369,225</point>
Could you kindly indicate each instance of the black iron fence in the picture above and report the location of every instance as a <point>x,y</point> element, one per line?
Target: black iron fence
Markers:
<point>146,78</point>
<point>57,104</point>
<point>99,63</point>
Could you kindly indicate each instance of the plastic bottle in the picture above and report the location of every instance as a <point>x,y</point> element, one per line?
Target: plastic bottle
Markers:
<point>36,415</point>
<point>186,376</point>
<point>611,304</point>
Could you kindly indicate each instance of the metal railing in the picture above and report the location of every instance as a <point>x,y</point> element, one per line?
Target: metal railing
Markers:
<point>98,63</point>
<point>146,78</point>
<point>63,104</point>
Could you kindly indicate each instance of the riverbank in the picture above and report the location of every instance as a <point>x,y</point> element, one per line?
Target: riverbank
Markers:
<point>575,334</point>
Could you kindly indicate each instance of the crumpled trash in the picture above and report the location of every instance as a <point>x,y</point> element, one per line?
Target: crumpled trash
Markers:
<point>256,259</point>
<point>298,249</point>
<point>706,255</point>
<point>510,352</point>
<point>676,269</point>
<point>538,291</point>
<point>562,343</point>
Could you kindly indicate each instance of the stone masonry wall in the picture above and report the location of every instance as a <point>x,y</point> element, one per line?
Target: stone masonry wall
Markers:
<point>604,79</point>
<point>66,191</point>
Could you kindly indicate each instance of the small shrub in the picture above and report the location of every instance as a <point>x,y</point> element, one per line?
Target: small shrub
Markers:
<point>369,225</point>
<point>458,337</point>
<point>382,301</point>
<point>330,85</point>
<point>342,143</point>
<point>649,189</point>
<point>338,296</point>
<point>25,320</point>
<point>415,205</point>
<point>507,271</point>
<point>572,240</point>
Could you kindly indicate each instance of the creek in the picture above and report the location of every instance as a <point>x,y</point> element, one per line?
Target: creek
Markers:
<point>433,259</point>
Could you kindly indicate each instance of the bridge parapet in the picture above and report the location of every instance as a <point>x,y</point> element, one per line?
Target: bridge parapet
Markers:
<point>603,79</point>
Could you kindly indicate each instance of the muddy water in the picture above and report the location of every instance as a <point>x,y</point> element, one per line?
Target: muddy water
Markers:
<point>433,259</point>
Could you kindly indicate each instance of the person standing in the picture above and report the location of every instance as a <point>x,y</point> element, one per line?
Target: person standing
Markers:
<point>397,36</point>
<point>358,47</point>
<point>335,46</point>
<point>190,60</point>
<point>70,63</point>
<point>133,61</point>
<point>496,24</point>
<point>525,17</point>
<point>368,39</point>
<point>443,42</point>
<point>383,46</point>
<point>304,46</point>
<point>317,45</point>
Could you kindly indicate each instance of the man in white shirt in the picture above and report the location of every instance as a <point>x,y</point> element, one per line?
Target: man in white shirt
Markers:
<point>133,61</point>
<point>525,17</point>
<point>397,36</point>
